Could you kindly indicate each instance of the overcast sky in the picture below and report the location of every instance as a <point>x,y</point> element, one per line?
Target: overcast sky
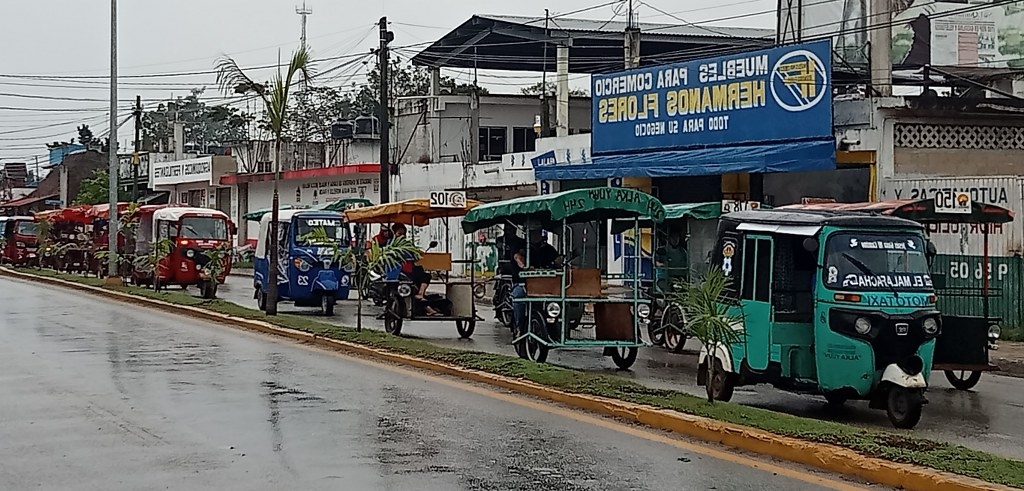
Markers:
<point>70,38</point>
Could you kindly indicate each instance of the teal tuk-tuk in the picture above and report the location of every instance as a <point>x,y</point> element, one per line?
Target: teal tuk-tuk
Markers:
<point>551,294</point>
<point>962,350</point>
<point>838,304</point>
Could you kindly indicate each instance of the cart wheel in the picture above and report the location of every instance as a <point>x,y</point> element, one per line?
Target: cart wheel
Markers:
<point>479,291</point>
<point>465,328</point>
<point>624,357</point>
<point>393,316</point>
<point>529,348</point>
<point>656,333</point>
<point>261,300</point>
<point>673,325</point>
<point>903,406</point>
<point>963,379</point>
<point>722,384</point>
<point>327,305</point>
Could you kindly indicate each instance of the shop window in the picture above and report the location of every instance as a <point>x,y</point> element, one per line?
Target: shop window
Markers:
<point>524,140</point>
<point>493,143</point>
<point>197,198</point>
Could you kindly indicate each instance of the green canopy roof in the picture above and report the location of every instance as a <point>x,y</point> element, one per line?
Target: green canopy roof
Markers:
<point>255,216</point>
<point>574,206</point>
<point>698,211</point>
<point>343,204</point>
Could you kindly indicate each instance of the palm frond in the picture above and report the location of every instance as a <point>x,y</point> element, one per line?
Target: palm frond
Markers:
<point>232,79</point>
<point>400,250</point>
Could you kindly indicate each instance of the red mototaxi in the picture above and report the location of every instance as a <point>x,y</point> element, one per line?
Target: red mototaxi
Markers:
<point>21,244</point>
<point>191,231</point>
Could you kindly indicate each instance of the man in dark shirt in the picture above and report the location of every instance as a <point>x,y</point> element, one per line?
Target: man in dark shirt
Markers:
<point>542,254</point>
<point>509,243</point>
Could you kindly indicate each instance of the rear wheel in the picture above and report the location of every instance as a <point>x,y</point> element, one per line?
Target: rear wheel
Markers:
<point>722,383</point>
<point>963,379</point>
<point>465,328</point>
<point>393,316</point>
<point>835,399</point>
<point>208,289</point>
<point>261,299</point>
<point>673,325</point>
<point>624,357</point>
<point>327,305</point>
<point>903,406</point>
<point>528,348</point>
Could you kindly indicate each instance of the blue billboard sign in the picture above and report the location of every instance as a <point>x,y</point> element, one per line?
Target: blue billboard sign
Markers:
<point>782,94</point>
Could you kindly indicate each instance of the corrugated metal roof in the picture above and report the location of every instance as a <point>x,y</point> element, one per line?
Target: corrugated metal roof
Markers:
<point>617,27</point>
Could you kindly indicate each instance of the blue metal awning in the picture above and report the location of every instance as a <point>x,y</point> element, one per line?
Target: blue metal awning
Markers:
<point>791,156</point>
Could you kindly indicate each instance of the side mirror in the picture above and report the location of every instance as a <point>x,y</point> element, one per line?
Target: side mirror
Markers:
<point>938,280</point>
<point>432,245</point>
<point>810,244</point>
<point>232,228</point>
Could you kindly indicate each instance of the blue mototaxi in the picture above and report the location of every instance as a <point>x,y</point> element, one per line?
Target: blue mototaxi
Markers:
<point>309,273</point>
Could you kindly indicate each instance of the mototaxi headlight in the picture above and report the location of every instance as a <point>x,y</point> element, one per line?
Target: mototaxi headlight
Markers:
<point>404,290</point>
<point>643,311</point>
<point>191,253</point>
<point>344,280</point>
<point>994,331</point>
<point>553,309</point>
<point>862,325</point>
<point>303,265</point>
<point>930,326</point>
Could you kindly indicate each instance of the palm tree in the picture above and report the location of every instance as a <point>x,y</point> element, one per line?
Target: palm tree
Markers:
<point>713,323</point>
<point>232,79</point>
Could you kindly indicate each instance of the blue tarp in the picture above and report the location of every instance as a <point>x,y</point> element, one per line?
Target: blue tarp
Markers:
<point>807,155</point>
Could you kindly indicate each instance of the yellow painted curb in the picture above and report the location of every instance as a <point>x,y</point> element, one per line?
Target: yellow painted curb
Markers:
<point>830,458</point>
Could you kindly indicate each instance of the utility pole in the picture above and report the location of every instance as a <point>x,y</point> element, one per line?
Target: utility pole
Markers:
<point>881,47</point>
<point>632,40</point>
<point>545,108</point>
<point>304,12</point>
<point>138,143</point>
<point>383,113</point>
<point>112,227</point>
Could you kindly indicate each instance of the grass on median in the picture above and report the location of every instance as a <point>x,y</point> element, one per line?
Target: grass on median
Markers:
<point>897,447</point>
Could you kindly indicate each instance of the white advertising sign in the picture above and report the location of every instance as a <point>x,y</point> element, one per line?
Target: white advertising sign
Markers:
<point>447,199</point>
<point>329,190</point>
<point>182,171</point>
<point>949,201</point>
<point>729,206</point>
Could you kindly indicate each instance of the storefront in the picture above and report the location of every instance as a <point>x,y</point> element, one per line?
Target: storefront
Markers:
<point>194,182</point>
<point>704,130</point>
<point>307,187</point>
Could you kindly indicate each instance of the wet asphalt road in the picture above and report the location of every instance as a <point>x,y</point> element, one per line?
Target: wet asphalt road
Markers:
<point>986,418</point>
<point>101,395</point>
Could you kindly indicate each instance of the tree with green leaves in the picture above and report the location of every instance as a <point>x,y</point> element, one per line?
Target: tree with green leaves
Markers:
<point>276,98</point>
<point>713,323</point>
<point>94,190</point>
<point>204,125</point>
<point>538,89</point>
<point>406,80</point>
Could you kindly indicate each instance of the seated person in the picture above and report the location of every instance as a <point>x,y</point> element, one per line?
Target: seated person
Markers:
<point>508,245</point>
<point>383,237</point>
<point>542,254</point>
<point>419,276</point>
<point>674,261</point>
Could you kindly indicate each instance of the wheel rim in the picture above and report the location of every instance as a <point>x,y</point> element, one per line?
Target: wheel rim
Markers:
<point>672,327</point>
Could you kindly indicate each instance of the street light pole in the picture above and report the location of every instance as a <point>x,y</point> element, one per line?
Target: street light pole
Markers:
<point>112,171</point>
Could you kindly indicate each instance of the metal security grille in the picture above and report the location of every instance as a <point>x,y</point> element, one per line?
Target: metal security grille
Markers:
<point>917,135</point>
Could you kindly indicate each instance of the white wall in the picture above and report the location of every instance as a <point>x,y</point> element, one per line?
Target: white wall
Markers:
<point>417,181</point>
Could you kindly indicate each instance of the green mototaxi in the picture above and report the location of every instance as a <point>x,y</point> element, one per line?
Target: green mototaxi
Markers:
<point>552,293</point>
<point>837,304</point>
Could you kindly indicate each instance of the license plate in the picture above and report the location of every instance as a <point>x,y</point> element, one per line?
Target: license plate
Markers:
<point>902,329</point>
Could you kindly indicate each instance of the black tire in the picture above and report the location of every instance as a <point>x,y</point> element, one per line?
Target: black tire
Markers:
<point>960,379</point>
<point>903,406</point>
<point>624,357</point>
<point>261,299</point>
<point>722,384</point>
<point>835,399</point>
<point>327,305</point>
<point>479,291</point>
<point>673,324</point>
<point>394,316</point>
<point>656,333</point>
<point>465,328</point>
<point>529,348</point>
<point>208,290</point>
<point>507,318</point>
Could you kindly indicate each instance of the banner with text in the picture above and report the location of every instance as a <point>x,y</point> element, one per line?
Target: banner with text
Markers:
<point>774,95</point>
